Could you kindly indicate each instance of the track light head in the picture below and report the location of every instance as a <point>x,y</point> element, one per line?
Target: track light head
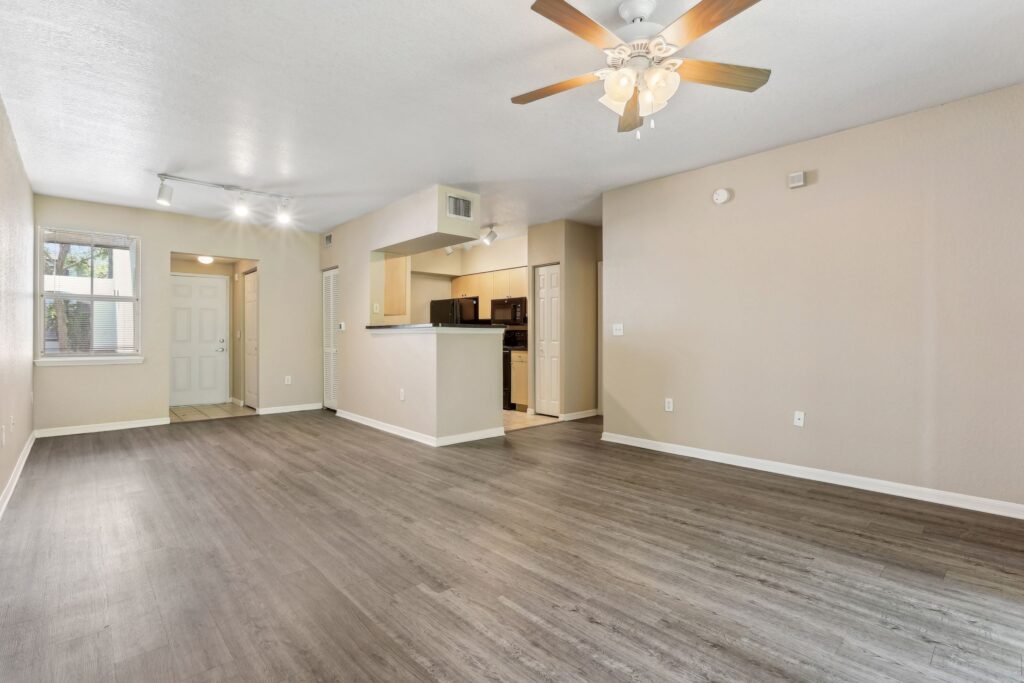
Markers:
<point>164,194</point>
<point>489,238</point>
<point>449,250</point>
<point>284,216</point>
<point>241,209</point>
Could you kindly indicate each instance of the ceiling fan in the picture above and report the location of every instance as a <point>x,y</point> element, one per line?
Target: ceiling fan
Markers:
<point>642,75</point>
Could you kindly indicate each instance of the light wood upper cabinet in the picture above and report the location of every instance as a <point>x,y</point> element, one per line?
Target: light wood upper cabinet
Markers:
<point>518,282</point>
<point>499,284</point>
<point>396,284</point>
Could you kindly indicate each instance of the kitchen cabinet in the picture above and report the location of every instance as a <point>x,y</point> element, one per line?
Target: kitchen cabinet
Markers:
<point>519,378</point>
<point>518,282</point>
<point>498,284</point>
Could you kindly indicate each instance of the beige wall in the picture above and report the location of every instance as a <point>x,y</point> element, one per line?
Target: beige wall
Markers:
<point>289,314</point>
<point>242,266</point>
<point>501,255</point>
<point>577,249</point>
<point>886,300</point>
<point>16,287</point>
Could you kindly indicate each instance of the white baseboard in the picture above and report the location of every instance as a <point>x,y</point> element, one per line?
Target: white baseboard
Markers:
<point>958,500</point>
<point>469,436</point>
<point>237,401</point>
<point>102,427</point>
<point>16,474</point>
<point>289,409</point>
<point>577,416</point>
<point>419,437</point>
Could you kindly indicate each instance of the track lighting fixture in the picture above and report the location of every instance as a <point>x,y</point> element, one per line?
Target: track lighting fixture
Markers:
<point>243,197</point>
<point>164,194</point>
<point>448,251</point>
<point>489,238</point>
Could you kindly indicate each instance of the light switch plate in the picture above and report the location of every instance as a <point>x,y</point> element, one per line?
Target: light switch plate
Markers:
<point>341,327</point>
<point>617,330</point>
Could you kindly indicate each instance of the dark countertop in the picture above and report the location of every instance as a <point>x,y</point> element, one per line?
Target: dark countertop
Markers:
<point>424,326</point>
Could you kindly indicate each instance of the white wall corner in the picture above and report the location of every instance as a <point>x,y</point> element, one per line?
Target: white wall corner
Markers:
<point>469,436</point>
<point>5,498</point>
<point>395,430</point>
<point>950,498</point>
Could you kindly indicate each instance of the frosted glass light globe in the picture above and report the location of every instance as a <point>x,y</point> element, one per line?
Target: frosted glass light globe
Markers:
<point>619,86</point>
<point>662,83</point>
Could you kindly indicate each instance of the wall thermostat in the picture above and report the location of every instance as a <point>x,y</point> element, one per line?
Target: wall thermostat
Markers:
<point>798,179</point>
<point>721,195</point>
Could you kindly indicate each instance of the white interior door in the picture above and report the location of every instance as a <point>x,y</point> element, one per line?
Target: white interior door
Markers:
<point>330,328</point>
<point>252,339</point>
<point>547,340</point>
<point>199,334</point>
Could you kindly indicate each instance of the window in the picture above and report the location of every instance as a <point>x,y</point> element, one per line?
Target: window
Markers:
<point>89,294</point>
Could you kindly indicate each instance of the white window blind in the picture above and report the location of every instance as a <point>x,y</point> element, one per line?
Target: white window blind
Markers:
<point>89,294</point>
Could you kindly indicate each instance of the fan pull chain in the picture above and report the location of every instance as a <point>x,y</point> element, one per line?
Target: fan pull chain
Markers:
<point>652,124</point>
<point>638,135</point>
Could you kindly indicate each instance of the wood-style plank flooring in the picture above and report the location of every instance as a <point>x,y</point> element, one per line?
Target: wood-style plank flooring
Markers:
<point>217,411</point>
<point>303,547</point>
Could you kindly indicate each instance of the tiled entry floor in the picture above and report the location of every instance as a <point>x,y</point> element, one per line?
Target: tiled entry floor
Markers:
<point>515,419</point>
<point>211,412</point>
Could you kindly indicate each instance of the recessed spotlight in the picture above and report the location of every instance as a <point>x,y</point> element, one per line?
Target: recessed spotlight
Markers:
<point>163,196</point>
<point>284,217</point>
<point>205,260</point>
<point>241,208</point>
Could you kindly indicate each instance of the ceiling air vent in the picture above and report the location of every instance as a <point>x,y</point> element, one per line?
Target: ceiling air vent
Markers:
<point>328,238</point>
<point>459,207</point>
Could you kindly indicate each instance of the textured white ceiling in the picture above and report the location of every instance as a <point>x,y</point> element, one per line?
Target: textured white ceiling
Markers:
<point>350,104</point>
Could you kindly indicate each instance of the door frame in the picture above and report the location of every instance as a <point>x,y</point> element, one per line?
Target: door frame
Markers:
<point>227,344</point>
<point>259,346</point>
<point>337,281</point>
<point>532,355</point>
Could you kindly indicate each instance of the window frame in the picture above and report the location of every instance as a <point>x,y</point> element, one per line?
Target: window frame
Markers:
<point>92,357</point>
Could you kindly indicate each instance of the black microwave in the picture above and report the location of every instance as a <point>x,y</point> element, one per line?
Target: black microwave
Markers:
<point>511,311</point>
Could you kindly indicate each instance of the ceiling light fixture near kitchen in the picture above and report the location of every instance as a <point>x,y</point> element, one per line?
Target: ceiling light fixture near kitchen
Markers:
<point>489,238</point>
<point>449,250</point>
<point>205,260</point>
<point>164,194</point>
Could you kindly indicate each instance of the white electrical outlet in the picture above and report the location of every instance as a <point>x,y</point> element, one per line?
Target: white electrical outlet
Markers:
<point>617,330</point>
<point>798,418</point>
<point>401,394</point>
<point>376,307</point>
<point>341,327</point>
<point>669,405</point>
<point>287,379</point>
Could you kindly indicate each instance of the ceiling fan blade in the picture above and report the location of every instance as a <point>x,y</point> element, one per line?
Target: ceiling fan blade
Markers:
<point>554,89</point>
<point>702,18</point>
<point>575,21</point>
<point>631,119</point>
<point>745,78</point>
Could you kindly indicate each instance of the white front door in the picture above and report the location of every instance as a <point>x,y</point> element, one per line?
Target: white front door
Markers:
<point>547,340</point>
<point>251,323</point>
<point>330,325</point>
<point>199,335</point>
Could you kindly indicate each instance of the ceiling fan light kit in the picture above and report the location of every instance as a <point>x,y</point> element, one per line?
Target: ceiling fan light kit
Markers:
<point>641,74</point>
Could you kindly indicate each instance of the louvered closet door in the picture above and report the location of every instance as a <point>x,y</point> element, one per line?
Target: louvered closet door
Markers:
<point>330,331</point>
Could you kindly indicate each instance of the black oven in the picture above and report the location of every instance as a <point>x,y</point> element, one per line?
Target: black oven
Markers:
<point>510,311</point>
